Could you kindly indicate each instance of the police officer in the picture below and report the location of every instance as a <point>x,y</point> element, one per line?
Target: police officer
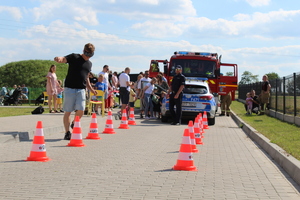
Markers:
<point>225,104</point>
<point>175,94</point>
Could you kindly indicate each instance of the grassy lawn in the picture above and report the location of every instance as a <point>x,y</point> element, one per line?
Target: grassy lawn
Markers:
<point>6,111</point>
<point>285,135</point>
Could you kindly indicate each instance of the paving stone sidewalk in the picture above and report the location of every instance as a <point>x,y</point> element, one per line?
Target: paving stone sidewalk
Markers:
<point>137,164</point>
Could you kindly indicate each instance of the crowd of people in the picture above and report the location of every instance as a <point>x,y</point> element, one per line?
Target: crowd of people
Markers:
<point>22,94</point>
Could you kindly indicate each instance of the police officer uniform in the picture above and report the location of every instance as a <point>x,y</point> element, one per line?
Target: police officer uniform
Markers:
<point>177,82</point>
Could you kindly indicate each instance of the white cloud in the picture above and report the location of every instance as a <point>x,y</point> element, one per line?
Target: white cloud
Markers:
<point>83,16</point>
<point>242,17</point>
<point>273,25</point>
<point>158,29</point>
<point>165,9</point>
<point>14,11</point>
<point>151,2</point>
<point>73,10</point>
<point>81,10</point>
<point>258,3</point>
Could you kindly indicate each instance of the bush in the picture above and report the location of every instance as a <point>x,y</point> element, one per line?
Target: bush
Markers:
<point>32,73</point>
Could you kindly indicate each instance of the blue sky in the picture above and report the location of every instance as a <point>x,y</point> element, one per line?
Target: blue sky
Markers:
<point>261,36</point>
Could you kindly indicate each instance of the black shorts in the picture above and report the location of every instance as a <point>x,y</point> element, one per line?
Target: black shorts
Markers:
<point>124,95</point>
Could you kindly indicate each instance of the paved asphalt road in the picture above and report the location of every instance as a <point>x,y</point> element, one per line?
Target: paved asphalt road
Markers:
<point>137,164</point>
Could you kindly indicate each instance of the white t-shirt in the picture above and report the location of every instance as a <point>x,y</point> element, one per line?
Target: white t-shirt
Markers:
<point>143,81</point>
<point>123,79</point>
<point>150,88</point>
<point>105,78</point>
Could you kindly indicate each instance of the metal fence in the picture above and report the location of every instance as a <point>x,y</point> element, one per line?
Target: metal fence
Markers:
<point>285,94</point>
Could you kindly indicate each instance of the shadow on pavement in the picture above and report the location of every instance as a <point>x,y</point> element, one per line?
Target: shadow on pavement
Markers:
<point>13,161</point>
<point>165,170</point>
<point>53,140</point>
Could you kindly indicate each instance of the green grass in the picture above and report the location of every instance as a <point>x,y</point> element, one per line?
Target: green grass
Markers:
<point>14,111</point>
<point>7,111</point>
<point>285,135</point>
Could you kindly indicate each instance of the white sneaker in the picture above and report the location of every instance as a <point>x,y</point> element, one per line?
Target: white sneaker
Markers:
<point>147,118</point>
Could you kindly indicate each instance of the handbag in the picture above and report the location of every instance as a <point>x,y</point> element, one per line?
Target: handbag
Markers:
<point>38,110</point>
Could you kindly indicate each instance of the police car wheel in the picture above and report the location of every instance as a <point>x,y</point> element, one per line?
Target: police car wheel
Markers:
<point>211,121</point>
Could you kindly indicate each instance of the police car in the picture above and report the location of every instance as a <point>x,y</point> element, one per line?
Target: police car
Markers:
<point>196,99</point>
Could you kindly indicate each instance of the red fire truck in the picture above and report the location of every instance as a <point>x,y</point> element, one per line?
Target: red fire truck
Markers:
<point>222,77</point>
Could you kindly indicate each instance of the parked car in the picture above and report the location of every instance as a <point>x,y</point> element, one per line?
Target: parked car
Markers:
<point>196,99</point>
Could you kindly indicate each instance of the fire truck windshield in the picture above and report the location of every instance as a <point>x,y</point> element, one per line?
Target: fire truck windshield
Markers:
<point>194,68</point>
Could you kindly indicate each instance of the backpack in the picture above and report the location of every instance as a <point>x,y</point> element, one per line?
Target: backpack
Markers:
<point>38,110</point>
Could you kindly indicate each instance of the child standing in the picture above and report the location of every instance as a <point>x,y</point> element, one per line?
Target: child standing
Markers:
<point>249,103</point>
<point>59,97</point>
<point>100,85</point>
<point>132,96</point>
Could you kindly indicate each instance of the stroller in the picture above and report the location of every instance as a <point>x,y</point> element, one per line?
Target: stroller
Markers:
<point>14,98</point>
<point>39,100</point>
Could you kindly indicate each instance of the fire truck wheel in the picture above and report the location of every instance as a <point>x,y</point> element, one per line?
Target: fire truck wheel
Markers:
<point>211,121</point>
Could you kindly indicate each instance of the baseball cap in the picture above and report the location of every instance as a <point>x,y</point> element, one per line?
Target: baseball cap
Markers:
<point>178,67</point>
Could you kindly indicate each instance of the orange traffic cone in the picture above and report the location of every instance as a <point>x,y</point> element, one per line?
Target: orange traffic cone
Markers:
<point>198,137</point>
<point>38,149</point>
<point>131,120</point>
<point>124,122</point>
<point>201,125</point>
<point>185,158</point>
<point>76,138</point>
<point>93,133</point>
<point>192,136</point>
<point>204,120</point>
<point>109,127</point>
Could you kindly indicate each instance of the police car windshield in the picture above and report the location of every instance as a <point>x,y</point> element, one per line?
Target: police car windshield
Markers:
<point>194,68</point>
<point>194,89</point>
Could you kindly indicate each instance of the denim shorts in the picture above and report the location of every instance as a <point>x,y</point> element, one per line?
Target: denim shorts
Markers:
<point>74,99</point>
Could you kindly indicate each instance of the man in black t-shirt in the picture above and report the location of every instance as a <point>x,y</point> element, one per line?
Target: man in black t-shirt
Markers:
<point>75,84</point>
<point>175,92</point>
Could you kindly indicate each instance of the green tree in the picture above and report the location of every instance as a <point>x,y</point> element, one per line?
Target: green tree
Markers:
<point>32,73</point>
<point>247,78</point>
<point>272,76</point>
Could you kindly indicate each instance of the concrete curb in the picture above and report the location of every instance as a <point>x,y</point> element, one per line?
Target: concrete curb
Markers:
<point>24,131</point>
<point>7,137</point>
<point>290,164</point>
